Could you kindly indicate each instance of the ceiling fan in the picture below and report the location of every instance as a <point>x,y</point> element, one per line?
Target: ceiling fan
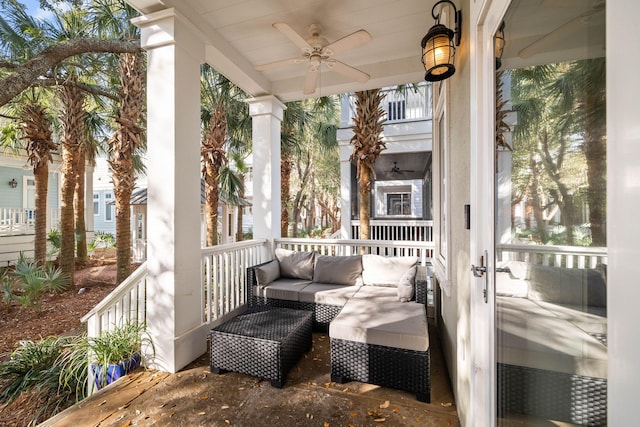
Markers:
<point>559,35</point>
<point>396,169</point>
<point>316,50</point>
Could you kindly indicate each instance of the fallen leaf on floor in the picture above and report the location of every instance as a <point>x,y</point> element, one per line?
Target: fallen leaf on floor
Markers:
<point>325,424</point>
<point>204,397</point>
<point>224,407</point>
<point>396,410</point>
<point>127,424</point>
<point>446,404</point>
<point>385,405</point>
<point>172,413</point>
<point>163,405</point>
<point>227,421</point>
<point>102,403</point>
<point>346,389</point>
<point>201,413</point>
<point>380,420</point>
<point>354,414</point>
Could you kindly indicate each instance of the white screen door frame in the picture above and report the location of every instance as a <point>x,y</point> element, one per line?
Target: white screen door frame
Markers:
<point>486,16</point>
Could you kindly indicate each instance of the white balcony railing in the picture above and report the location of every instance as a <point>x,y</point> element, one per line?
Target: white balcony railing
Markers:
<point>559,256</point>
<point>412,230</point>
<point>14,221</point>
<point>408,104</point>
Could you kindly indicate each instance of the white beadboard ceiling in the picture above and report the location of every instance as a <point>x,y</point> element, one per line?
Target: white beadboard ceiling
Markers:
<point>240,36</point>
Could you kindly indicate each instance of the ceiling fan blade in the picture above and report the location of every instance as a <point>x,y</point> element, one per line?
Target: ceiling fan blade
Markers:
<point>348,71</point>
<point>278,64</point>
<point>311,80</point>
<point>353,40</point>
<point>556,36</point>
<point>296,38</point>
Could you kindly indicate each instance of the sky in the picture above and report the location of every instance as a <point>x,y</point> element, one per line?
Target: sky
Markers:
<point>33,7</point>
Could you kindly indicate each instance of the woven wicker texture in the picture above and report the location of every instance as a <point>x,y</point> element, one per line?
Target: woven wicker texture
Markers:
<point>385,366</point>
<point>553,395</point>
<point>265,343</point>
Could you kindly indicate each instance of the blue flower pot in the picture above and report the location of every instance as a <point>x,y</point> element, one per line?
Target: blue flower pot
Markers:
<point>114,371</point>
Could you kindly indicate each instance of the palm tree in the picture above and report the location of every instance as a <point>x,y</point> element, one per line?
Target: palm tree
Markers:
<point>36,125</point>
<point>225,121</point>
<point>123,146</point>
<point>367,146</point>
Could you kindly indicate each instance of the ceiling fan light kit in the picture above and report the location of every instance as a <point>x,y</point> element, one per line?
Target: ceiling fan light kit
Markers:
<point>439,46</point>
<point>317,50</point>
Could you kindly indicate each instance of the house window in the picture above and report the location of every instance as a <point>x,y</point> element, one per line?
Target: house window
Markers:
<point>96,204</point>
<point>108,207</point>
<point>396,110</point>
<point>399,204</point>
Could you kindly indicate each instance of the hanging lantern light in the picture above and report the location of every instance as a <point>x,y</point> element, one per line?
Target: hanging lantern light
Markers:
<point>439,46</point>
<point>499,43</point>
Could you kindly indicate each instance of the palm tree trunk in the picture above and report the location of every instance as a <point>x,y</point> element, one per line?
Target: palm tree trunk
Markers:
<point>41,176</point>
<point>285,189</point>
<point>73,124</point>
<point>364,197</point>
<point>81,229</point>
<point>212,201</point>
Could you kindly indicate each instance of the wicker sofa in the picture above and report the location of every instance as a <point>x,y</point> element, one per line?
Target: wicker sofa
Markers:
<point>552,354</point>
<point>372,306</point>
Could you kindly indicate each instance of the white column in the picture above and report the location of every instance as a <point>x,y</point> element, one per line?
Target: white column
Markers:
<point>174,298</point>
<point>344,136</point>
<point>266,113</point>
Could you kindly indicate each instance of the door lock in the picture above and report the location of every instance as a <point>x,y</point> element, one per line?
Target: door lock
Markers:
<point>481,271</point>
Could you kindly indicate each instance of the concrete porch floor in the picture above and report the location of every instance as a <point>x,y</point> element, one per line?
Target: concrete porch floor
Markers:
<point>196,397</point>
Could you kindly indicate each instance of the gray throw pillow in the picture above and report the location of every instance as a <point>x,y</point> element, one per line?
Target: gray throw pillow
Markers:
<point>338,270</point>
<point>295,265</point>
<point>406,289</point>
<point>267,273</point>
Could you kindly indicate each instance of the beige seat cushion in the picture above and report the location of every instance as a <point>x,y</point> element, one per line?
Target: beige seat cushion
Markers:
<point>377,293</point>
<point>382,322</point>
<point>286,289</point>
<point>324,293</point>
<point>385,271</point>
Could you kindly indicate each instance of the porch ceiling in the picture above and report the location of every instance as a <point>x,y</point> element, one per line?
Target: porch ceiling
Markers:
<point>240,36</point>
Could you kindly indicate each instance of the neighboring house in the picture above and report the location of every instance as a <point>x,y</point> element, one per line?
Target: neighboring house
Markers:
<point>401,202</point>
<point>17,204</point>
<point>104,209</point>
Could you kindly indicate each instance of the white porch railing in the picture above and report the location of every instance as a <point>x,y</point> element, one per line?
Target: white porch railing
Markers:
<point>125,304</point>
<point>412,230</point>
<point>224,274</point>
<point>422,250</point>
<point>559,256</point>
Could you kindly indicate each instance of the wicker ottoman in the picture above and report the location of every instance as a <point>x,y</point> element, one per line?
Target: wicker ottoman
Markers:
<point>264,343</point>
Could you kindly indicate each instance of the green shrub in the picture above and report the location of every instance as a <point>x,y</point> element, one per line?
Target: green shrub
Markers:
<point>102,240</point>
<point>32,280</point>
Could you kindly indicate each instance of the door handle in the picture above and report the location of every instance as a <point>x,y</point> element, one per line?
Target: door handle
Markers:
<point>478,271</point>
<point>481,271</point>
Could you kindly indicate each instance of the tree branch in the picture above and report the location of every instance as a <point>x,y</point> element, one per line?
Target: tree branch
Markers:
<point>94,90</point>
<point>27,74</point>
